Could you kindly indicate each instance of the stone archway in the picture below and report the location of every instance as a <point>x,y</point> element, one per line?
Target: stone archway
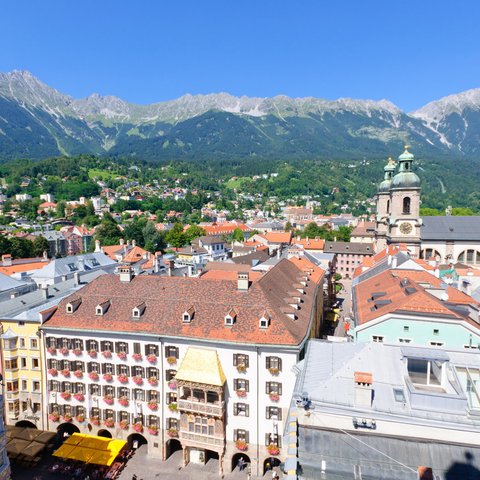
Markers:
<point>66,429</point>
<point>269,463</point>
<point>136,440</point>
<point>25,424</point>
<point>237,462</point>
<point>104,433</point>
<point>173,445</point>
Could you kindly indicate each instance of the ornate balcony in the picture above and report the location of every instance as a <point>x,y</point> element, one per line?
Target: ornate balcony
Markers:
<point>213,409</point>
<point>201,440</point>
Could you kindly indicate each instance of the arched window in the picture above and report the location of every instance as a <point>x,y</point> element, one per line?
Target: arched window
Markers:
<point>428,253</point>
<point>388,206</point>
<point>469,257</point>
<point>406,205</point>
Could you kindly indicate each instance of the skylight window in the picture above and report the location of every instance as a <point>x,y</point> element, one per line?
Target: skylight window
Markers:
<point>399,395</point>
<point>72,267</point>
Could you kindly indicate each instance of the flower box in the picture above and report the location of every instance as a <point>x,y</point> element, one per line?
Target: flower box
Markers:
<point>107,354</point>
<point>77,352</point>
<point>52,350</point>
<point>64,351</point>
<point>78,373</point>
<point>93,376</point>
<point>138,427</point>
<point>153,430</point>
<point>95,421</point>
<point>273,449</point>
<point>80,397</point>
<point>171,360</point>
<point>172,407</point>
<point>152,358</point>
<point>67,418</point>
<point>153,381</point>
<point>122,378</point>
<point>108,377</point>
<point>122,355</point>
<point>53,372</point>
<point>172,433</point>
<point>92,353</point>
<point>241,393</point>
<point>152,405</point>
<point>137,356</point>
<point>241,445</point>
<point>274,397</point>
<point>54,417</point>
<point>241,368</point>
<point>66,395</point>
<point>80,418</point>
<point>172,384</point>
<point>124,424</point>
<point>274,370</point>
<point>108,399</point>
<point>65,372</point>
<point>123,401</point>
<point>109,423</point>
<point>138,380</point>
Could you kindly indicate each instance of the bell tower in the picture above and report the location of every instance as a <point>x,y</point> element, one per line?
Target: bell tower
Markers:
<point>405,222</point>
<point>383,206</point>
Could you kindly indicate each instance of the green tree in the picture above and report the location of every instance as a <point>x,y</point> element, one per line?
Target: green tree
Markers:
<point>21,248</point>
<point>5,245</point>
<point>193,232</point>
<point>176,236</point>
<point>238,235</point>
<point>40,245</point>
<point>108,232</point>
<point>429,212</point>
<point>288,227</point>
<point>462,211</point>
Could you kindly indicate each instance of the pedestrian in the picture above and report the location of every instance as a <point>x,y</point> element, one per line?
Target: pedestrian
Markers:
<point>241,463</point>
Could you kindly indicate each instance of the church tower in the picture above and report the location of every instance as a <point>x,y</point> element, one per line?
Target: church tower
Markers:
<point>383,206</point>
<point>404,225</point>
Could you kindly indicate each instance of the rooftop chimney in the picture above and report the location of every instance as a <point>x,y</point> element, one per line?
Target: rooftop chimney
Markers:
<point>122,241</point>
<point>45,292</point>
<point>126,273</point>
<point>7,260</point>
<point>363,389</point>
<point>98,249</point>
<point>242,281</point>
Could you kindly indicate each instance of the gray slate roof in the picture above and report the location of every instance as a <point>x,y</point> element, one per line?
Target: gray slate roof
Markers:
<point>354,248</point>
<point>450,228</point>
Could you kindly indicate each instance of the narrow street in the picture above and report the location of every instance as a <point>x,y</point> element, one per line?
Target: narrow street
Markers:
<point>345,306</point>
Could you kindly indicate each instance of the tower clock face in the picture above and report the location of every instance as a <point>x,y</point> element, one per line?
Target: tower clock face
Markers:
<point>406,228</point>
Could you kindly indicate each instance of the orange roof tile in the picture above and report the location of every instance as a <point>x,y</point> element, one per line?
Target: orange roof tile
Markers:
<point>229,275</point>
<point>310,243</point>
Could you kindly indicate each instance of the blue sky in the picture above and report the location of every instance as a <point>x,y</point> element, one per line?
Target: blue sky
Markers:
<point>143,51</point>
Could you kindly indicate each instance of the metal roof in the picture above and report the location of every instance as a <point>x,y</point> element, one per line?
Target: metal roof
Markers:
<point>450,228</point>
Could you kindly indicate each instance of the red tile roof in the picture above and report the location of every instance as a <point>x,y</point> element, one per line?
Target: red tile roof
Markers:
<point>166,298</point>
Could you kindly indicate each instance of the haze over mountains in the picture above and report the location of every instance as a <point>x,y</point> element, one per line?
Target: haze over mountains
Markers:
<point>37,121</point>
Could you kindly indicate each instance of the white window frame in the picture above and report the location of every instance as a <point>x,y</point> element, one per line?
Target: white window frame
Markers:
<point>378,338</point>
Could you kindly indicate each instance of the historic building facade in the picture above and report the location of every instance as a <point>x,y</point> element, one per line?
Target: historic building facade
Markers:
<point>184,363</point>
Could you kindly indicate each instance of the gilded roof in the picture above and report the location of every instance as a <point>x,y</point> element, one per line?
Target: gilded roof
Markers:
<point>202,366</point>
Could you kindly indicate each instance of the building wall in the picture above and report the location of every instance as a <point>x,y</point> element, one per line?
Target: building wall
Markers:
<point>420,332</point>
<point>257,399</point>
<point>23,402</point>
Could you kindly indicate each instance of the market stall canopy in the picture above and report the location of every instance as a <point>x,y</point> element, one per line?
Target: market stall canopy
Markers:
<point>90,449</point>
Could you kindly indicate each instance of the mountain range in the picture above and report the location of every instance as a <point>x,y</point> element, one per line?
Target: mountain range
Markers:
<point>37,121</point>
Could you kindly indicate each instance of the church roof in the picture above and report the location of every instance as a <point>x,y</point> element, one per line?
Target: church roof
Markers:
<point>450,228</point>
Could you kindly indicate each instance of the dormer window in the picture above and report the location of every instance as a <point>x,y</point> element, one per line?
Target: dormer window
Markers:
<point>230,317</point>
<point>137,312</point>
<point>264,322</point>
<point>188,315</point>
<point>73,305</point>
<point>102,308</point>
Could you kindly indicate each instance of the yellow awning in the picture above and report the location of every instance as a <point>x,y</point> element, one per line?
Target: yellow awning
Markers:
<point>202,366</point>
<point>90,449</point>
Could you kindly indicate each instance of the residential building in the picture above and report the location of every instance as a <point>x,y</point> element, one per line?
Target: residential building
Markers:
<point>414,307</point>
<point>205,366</point>
<point>385,411</point>
<point>61,269</point>
<point>20,267</point>
<point>363,232</point>
<point>22,360</point>
<point>348,255</point>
